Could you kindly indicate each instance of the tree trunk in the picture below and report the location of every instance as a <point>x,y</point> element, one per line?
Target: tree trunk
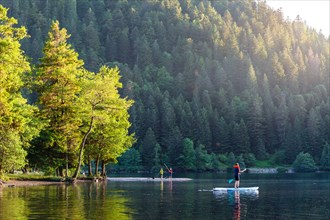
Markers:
<point>25,169</point>
<point>97,161</point>
<point>103,174</point>
<point>82,145</point>
<point>90,171</point>
<point>67,164</point>
<point>61,172</point>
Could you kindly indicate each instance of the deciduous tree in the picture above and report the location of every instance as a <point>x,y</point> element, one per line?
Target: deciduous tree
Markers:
<point>18,124</point>
<point>105,116</point>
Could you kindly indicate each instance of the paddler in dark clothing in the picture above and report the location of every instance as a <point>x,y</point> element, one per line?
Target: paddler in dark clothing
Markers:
<point>237,172</point>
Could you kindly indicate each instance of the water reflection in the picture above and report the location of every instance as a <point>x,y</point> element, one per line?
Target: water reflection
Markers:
<point>170,185</point>
<point>80,201</point>
<point>12,207</point>
<point>299,198</point>
<point>237,206</point>
<point>251,195</point>
<point>161,186</point>
<point>238,200</point>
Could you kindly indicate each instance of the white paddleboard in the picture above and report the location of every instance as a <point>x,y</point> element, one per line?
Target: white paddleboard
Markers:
<point>255,188</point>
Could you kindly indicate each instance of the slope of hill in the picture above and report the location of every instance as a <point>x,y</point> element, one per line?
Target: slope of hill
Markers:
<point>207,77</point>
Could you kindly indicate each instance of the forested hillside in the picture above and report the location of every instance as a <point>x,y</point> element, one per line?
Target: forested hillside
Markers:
<point>211,80</point>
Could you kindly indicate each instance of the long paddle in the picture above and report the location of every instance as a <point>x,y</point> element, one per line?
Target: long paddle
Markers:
<point>231,180</point>
<point>167,167</point>
<point>169,170</point>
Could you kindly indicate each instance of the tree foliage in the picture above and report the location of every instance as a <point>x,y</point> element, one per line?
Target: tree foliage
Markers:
<point>18,122</point>
<point>304,163</point>
<point>105,116</point>
<point>58,88</point>
<point>325,158</point>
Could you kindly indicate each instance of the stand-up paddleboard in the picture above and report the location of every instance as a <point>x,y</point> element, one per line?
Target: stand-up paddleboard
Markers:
<point>244,189</point>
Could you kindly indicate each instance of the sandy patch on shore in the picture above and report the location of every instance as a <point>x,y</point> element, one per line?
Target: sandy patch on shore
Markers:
<point>14,183</point>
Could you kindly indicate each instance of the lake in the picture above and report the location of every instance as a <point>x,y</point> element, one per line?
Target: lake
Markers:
<point>280,196</point>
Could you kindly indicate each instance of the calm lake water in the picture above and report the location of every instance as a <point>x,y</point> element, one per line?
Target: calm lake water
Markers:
<point>285,196</point>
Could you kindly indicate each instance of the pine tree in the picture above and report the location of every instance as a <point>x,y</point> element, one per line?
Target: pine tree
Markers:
<point>57,86</point>
<point>240,138</point>
<point>313,133</point>
<point>224,136</point>
<point>281,120</point>
<point>325,158</point>
<point>147,149</point>
<point>255,126</point>
<point>268,109</point>
<point>187,160</point>
<point>203,159</point>
<point>167,119</point>
<point>174,147</point>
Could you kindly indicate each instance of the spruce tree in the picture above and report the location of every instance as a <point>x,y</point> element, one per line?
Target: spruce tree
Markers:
<point>58,88</point>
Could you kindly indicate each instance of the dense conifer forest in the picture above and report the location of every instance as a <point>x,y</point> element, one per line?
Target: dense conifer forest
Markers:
<point>213,82</point>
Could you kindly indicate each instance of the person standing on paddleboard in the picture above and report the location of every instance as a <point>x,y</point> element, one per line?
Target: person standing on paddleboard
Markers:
<point>237,172</point>
<point>161,173</point>
<point>171,172</point>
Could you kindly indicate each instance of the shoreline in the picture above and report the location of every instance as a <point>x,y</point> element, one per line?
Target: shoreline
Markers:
<point>18,183</point>
<point>14,183</point>
<point>146,179</point>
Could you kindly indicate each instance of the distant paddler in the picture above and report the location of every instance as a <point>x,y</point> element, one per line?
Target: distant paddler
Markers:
<point>161,173</point>
<point>170,170</point>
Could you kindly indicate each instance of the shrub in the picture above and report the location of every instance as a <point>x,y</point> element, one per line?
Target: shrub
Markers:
<point>278,157</point>
<point>250,159</point>
<point>215,161</point>
<point>304,163</point>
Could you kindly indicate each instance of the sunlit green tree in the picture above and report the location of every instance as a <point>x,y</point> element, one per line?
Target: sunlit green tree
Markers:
<point>58,88</point>
<point>104,115</point>
<point>18,124</point>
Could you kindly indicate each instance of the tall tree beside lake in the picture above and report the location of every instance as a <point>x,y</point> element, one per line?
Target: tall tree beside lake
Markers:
<point>104,117</point>
<point>58,88</point>
<point>18,124</point>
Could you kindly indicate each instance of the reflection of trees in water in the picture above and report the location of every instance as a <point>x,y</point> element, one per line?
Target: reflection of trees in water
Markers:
<point>78,201</point>
<point>11,205</point>
<point>107,204</point>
